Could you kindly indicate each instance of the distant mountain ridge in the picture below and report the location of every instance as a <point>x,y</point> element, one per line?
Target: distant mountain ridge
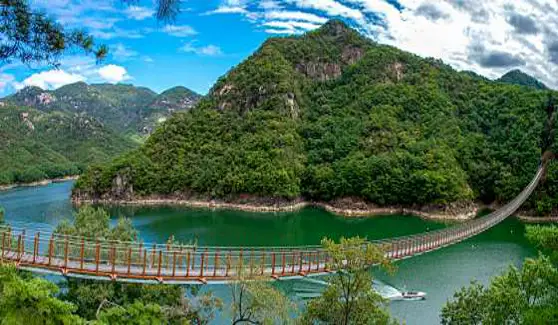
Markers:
<point>127,109</point>
<point>39,145</point>
<point>518,77</point>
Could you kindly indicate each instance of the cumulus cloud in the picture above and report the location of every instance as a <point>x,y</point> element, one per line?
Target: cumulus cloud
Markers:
<point>139,13</point>
<point>179,30</point>
<point>113,73</point>
<point>50,79</point>
<point>487,37</point>
<point>523,24</point>
<point>431,12</point>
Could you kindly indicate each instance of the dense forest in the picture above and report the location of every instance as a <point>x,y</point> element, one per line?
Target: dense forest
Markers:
<point>331,114</point>
<point>126,109</point>
<point>38,145</point>
<point>52,134</point>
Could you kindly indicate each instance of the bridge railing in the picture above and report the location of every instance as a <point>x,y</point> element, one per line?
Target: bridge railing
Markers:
<point>137,260</point>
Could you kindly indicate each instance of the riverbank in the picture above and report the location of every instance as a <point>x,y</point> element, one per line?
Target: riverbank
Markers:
<point>531,219</point>
<point>38,183</point>
<point>343,207</point>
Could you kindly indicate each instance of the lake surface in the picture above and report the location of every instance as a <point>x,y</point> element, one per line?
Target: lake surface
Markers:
<point>439,273</point>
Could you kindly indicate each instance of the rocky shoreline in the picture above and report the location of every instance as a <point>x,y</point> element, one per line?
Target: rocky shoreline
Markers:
<point>38,183</point>
<point>351,209</point>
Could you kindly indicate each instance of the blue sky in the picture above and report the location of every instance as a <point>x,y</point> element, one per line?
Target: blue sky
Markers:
<point>209,37</point>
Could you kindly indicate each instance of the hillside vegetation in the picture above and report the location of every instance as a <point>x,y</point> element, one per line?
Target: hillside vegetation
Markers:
<point>330,115</point>
<point>38,145</point>
<point>517,77</point>
<point>126,109</point>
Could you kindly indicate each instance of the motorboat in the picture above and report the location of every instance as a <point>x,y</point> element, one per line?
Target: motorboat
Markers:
<point>413,295</point>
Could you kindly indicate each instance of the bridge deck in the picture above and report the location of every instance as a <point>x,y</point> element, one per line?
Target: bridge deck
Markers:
<point>140,262</point>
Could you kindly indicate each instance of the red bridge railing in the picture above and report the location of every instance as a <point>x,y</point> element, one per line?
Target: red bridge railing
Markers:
<point>170,263</point>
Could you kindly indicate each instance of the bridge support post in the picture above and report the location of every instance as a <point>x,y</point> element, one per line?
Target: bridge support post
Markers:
<point>82,254</point>
<point>215,263</point>
<point>188,264</point>
<point>283,263</point>
<point>3,246</point>
<point>144,262</point>
<point>97,256</point>
<point>129,260</point>
<point>292,261</point>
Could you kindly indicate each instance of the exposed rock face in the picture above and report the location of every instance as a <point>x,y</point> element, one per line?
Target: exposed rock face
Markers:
<point>46,98</point>
<point>322,71</point>
<point>352,54</point>
<point>397,69</point>
<point>25,119</point>
<point>122,188</point>
<point>292,105</point>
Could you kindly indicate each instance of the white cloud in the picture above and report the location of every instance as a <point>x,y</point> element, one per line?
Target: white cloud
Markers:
<point>331,8</point>
<point>487,37</point>
<point>270,5</point>
<point>121,53</point>
<point>113,73</point>
<point>291,25</point>
<point>117,33</point>
<point>208,50</point>
<point>179,30</point>
<point>139,13</point>
<point>295,15</point>
<point>231,7</point>
<point>6,81</point>
<point>50,79</point>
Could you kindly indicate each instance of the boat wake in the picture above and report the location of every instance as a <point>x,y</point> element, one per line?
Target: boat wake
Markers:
<point>309,288</point>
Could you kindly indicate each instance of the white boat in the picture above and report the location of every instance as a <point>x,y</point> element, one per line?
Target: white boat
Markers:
<point>413,295</point>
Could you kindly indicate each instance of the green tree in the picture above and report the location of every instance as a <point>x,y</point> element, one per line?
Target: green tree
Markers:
<point>515,297</point>
<point>2,212</point>
<point>95,223</point>
<point>136,313</point>
<point>546,239</point>
<point>177,304</point>
<point>30,300</point>
<point>519,296</point>
<point>258,302</point>
<point>350,298</point>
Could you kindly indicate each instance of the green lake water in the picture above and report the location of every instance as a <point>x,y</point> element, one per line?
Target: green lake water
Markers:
<point>438,274</point>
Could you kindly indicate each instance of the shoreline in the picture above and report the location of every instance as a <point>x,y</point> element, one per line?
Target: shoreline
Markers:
<point>436,215</point>
<point>530,219</point>
<point>38,183</point>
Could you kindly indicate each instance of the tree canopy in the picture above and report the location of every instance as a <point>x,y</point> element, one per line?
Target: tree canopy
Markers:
<point>31,36</point>
<point>519,296</point>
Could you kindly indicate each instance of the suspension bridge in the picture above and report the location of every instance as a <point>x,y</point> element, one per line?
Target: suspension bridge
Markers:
<point>48,252</point>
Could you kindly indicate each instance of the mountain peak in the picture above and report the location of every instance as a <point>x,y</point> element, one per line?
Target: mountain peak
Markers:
<point>335,28</point>
<point>518,77</point>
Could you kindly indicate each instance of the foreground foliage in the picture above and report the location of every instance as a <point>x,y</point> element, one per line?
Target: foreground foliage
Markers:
<point>258,302</point>
<point>519,296</point>
<point>350,298</point>
<point>33,301</point>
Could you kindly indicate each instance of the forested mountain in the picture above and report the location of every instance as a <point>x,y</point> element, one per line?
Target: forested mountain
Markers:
<point>331,114</point>
<point>124,108</point>
<point>518,77</point>
<point>37,145</point>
